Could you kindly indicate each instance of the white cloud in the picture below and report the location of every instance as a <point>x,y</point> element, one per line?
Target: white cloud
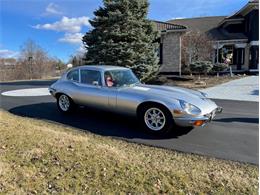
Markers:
<point>72,25</point>
<point>5,53</point>
<point>73,38</point>
<point>52,8</point>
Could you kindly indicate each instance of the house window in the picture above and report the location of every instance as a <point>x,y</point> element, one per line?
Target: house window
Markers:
<point>226,54</point>
<point>254,59</point>
<point>257,55</point>
<point>240,56</point>
<point>161,53</point>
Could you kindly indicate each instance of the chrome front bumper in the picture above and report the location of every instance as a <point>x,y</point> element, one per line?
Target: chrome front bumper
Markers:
<point>189,121</point>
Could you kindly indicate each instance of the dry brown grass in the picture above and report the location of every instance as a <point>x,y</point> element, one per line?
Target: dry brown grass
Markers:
<point>38,157</point>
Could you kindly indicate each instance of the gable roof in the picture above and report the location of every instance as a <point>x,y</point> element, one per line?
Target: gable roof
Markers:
<point>252,4</point>
<point>209,25</point>
<point>202,24</point>
<point>212,25</point>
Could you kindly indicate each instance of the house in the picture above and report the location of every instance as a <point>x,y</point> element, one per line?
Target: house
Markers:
<point>235,38</point>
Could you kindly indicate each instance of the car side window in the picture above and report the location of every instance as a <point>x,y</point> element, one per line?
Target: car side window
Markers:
<point>73,75</point>
<point>90,77</point>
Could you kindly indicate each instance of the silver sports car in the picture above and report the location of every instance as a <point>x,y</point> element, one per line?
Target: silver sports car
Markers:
<point>117,89</point>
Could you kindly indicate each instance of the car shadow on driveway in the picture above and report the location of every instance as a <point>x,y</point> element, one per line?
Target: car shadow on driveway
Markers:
<point>97,122</point>
<point>242,120</point>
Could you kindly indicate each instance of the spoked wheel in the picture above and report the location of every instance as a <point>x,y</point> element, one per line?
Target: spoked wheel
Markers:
<point>65,104</point>
<point>156,119</point>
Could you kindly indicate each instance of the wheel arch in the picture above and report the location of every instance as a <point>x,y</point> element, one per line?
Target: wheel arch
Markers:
<point>150,103</point>
<point>58,94</point>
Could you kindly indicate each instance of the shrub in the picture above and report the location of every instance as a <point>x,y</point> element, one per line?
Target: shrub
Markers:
<point>219,67</point>
<point>201,67</point>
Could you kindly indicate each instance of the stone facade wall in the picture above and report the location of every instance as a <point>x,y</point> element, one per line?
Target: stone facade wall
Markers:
<point>171,51</point>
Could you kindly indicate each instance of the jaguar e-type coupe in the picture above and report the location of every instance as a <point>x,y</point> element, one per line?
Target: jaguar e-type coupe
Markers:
<point>117,89</point>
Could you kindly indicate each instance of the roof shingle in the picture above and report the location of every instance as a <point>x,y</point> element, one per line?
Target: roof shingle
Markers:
<point>202,24</point>
<point>210,26</point>
<point>162,26</point>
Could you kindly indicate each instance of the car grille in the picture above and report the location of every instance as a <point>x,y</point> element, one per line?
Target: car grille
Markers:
<point>211,115</point>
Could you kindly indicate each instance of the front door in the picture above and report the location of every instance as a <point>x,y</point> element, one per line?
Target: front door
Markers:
<point>90,90</point>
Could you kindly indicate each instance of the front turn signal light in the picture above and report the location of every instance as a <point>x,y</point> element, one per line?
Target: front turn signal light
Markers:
<point>199,123</point>
<point>177,112</point>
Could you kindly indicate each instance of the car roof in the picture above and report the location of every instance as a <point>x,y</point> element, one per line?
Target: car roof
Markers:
<point>102,67</point>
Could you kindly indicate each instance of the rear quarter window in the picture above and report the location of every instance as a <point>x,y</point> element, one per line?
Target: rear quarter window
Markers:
<point>73,75</point>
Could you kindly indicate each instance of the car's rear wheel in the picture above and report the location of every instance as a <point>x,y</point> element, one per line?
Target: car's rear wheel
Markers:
<point>156,119</point>
<point>65,103</point>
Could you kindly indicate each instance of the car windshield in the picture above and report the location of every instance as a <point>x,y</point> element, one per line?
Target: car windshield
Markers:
<point>120,78</point>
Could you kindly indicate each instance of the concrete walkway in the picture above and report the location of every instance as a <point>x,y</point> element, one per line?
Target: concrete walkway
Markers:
<point>245,89</point>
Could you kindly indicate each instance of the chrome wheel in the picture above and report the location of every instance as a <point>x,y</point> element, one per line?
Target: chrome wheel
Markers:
<point>64,103</point>
<point>154,119</point>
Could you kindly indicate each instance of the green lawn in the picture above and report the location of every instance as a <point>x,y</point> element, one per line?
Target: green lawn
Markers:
<point>41,157</point>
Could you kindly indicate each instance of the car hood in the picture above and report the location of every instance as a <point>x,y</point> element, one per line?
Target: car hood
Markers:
<point>191,96</point>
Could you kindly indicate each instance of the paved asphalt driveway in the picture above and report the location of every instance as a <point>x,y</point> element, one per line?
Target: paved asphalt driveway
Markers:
<point>233,135</point>
<point>245,89</point>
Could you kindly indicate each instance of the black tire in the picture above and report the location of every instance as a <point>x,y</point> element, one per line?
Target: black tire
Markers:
<point>61,106</point>
<point>165,128</point>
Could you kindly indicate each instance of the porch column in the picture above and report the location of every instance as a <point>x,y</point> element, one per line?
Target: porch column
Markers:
<point>246,60</point>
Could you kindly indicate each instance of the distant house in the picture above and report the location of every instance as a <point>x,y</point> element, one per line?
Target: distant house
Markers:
<point>235,37</point>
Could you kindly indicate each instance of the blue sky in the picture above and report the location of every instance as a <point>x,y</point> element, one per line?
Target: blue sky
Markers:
<point>57,25</point>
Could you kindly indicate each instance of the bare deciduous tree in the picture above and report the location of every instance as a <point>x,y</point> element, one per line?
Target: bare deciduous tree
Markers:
<point>35,61</point>
<point>196,46</point>
<point>77,59</point>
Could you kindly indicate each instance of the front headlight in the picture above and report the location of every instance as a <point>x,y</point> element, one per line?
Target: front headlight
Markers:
<point>189,108</point>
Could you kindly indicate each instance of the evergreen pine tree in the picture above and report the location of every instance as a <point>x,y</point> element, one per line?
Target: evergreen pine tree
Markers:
<point>123,36</point>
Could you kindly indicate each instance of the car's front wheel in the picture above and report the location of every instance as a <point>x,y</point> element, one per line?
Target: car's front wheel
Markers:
<point>65,103</point>
<point>156,119</point>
